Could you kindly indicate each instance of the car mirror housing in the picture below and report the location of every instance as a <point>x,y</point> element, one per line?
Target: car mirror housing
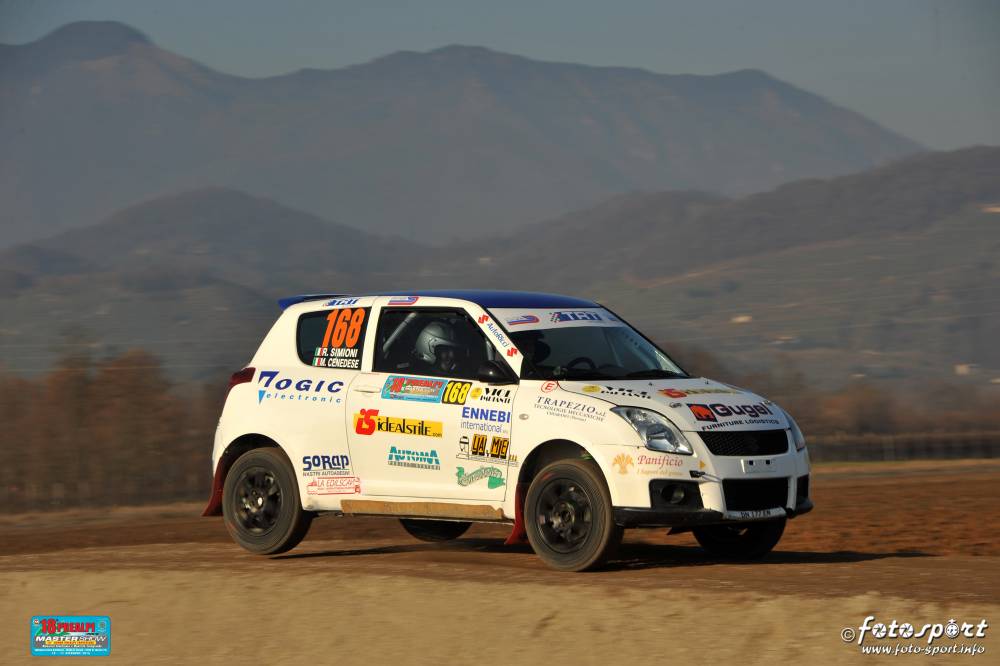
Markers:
<point>491,372</point>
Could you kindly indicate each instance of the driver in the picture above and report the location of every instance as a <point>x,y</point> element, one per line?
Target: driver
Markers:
<point>436,347</point>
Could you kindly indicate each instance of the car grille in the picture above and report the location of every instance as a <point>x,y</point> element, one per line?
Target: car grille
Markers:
<point>755,494</point>
<point>746,442</point>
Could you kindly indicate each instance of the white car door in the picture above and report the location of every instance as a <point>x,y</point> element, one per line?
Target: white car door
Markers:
<point>421,425</point>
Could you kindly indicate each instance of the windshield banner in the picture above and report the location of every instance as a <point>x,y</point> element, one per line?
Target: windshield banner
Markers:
<point>516,319</point>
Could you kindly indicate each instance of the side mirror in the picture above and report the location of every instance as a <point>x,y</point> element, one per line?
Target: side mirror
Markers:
<point>491,372</point>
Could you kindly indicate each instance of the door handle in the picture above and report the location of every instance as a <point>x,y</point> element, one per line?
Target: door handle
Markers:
<point>369,389</point>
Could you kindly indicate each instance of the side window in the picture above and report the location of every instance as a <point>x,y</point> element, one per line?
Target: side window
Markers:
<point>332,338</point>
<point>439,343</point>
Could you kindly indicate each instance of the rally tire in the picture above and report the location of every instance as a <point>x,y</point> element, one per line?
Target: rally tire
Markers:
<point>568,516</point>
<point>434,531</point>
<point>746,541</point>
<point>260,503</point>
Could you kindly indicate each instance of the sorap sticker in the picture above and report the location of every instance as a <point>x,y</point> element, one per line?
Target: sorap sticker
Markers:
<point>70,635</point>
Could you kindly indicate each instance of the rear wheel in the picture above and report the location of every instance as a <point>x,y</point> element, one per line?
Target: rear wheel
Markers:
<point>740,541</point>
<point>568,516</point>
<point>260,503</point>
<point>434,530</point>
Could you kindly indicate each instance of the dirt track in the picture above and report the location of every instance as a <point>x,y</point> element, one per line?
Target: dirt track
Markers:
<point>915,542</point>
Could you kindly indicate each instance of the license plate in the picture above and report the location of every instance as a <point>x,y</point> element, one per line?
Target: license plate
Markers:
<point>762,514</point>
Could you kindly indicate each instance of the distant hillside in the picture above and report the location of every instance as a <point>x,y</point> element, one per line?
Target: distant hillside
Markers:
<point>645,236</point>
<point>191,277</point>
<point>452,143</point>
<point>890,274</point>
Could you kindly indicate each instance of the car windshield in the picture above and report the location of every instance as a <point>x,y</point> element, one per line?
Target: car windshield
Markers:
<point>594,345</point>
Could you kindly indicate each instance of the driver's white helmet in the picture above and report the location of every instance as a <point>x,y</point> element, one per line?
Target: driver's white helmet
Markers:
<point>435,334</point>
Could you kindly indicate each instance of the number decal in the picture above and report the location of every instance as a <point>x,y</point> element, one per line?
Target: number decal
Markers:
<point>355,328</point>
<point>342,339</point>
<point>456,392</point>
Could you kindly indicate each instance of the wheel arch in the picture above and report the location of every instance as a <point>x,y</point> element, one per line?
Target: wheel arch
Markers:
<point>540,456</point>
<point>235,449</point>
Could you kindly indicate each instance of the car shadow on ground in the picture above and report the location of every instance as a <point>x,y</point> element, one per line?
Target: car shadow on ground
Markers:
<point>630,556</point>
<point>469,545</point>
<point>634,556</point>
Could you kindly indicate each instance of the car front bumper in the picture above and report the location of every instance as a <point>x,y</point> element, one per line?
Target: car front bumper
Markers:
<point>670,507</point>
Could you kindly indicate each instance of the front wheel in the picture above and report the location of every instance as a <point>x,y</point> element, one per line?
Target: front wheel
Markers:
<point>260,503</point>
<point>434,531</point>
<point>740,541</point>
<point>568,516</point>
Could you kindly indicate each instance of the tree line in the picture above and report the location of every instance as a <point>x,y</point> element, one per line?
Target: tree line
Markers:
<point>117,430</point>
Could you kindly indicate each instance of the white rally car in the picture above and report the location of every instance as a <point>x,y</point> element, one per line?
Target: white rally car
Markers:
<point>545,412</point>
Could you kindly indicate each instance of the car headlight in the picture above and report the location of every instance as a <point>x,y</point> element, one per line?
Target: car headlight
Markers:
<point>797,436</point>
<point>656,430</point>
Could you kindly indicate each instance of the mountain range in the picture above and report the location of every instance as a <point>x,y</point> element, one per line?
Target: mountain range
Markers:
<point>887,274</point>
<point>454,143</point>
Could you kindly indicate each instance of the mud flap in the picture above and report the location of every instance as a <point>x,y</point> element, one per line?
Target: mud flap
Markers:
<point>518,534</point>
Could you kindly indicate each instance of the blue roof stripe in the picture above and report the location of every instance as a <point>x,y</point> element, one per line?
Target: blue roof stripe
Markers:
<point>483,298</point>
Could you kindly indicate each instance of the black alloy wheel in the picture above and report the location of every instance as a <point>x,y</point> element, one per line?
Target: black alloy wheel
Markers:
<point>260,503</point>
<point>568,516</point>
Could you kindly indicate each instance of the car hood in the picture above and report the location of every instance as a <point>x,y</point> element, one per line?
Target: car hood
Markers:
<point>693,404</point>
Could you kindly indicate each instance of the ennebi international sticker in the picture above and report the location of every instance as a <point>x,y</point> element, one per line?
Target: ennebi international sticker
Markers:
<point>70,635</point>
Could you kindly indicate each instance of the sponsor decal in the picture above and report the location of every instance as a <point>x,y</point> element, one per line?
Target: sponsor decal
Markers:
<point>498,335</point>
<point>70,635</point>
<point>575,315</point>
<point>658,465</point>
<point>417,389</point>
<point>485,420</point>
<point>543,318</point>
<point>549,386</point>
<point>342,302</point>
<point>485,449</point>
<point>615,390</point>
<point>325,465</point>
<point>755,414</point>
<point>493,476</point>
<point>414,459</point>
<point>578,411</point>
<point>488,394</point>
<point>343,339</point>
<point>456,392</point>
<point>485,414</point>
<point>702,413</point>
<point>403,300</point>
<point>334,485</point>
<point>289,388</point>
<point>678,393</point>
<point>622,461</point>
<point>368,422</point>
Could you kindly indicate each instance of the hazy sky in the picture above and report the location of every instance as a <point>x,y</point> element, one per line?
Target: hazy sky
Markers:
<point>930,70</point>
